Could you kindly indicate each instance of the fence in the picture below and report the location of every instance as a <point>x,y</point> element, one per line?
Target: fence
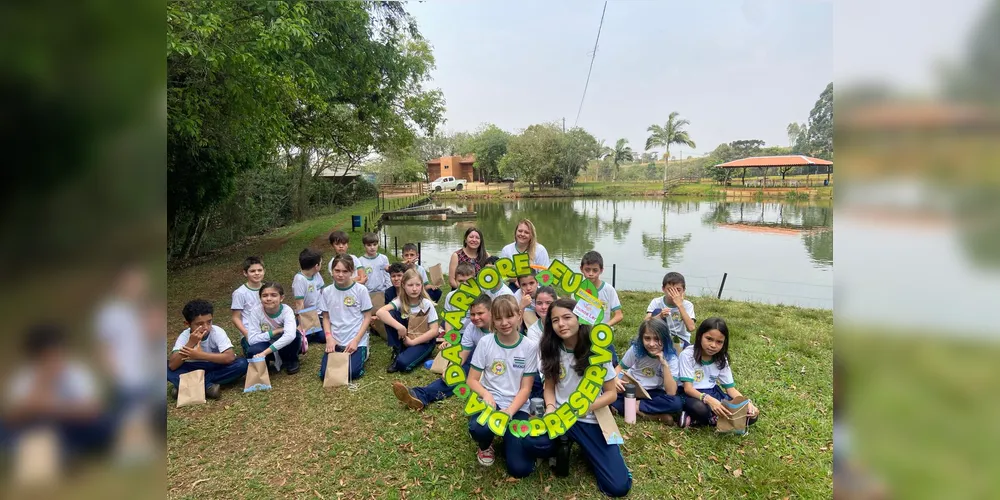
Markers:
<point>402,188</point>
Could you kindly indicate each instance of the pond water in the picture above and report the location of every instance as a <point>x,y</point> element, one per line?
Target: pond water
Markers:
<point>774,252</point>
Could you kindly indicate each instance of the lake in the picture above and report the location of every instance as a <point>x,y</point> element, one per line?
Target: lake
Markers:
<point>774,252</point>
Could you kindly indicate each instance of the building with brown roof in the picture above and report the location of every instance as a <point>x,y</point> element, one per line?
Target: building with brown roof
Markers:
<point>459,167</point>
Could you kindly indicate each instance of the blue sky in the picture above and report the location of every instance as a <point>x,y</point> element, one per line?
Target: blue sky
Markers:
<point>735,69</point>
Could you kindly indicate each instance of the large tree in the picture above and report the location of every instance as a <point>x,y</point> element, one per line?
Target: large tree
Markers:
<point>489,144</point>
<point>820,134</point>
<point>619,154</point>
<point>544,154</point>
<point>670,133</point>
<point>794,130</point>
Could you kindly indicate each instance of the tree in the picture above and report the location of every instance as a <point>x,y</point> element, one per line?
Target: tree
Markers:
<point>619,154</point>
<point>670,133</point>
<point>794,130</point>
<point>721,154</point>
<point>544,154</point>
<point>820,132</point>
<point>489,145</point>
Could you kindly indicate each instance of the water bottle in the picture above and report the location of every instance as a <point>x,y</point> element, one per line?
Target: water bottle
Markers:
<point>630,403</point>
<point>537,407</point>
<point>562,456</point>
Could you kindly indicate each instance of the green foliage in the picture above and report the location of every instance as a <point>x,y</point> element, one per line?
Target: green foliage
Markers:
<point>489,145</point>
<point>820,134</point>
<point>544,154</point>
<point>619,154</point>
<point>330,80</point>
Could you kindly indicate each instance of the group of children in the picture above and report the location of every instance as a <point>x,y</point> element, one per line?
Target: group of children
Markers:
<point>518,342</point>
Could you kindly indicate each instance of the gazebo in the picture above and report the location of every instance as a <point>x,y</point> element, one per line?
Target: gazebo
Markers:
<point>780,162</point>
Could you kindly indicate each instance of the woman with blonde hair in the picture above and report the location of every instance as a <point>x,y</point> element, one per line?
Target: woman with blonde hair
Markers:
<point>526,241</point>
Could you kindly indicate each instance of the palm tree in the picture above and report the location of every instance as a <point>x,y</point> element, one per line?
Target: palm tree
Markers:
<point>619,154</point>
<point>670,133</point>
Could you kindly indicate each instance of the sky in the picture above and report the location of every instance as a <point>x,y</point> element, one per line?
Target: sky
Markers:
<point>734,69</point>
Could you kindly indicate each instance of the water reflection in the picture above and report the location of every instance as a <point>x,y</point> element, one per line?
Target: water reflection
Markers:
<point>756,243</point>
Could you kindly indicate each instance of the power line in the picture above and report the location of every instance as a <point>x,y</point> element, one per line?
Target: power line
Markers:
<point>592,56</point>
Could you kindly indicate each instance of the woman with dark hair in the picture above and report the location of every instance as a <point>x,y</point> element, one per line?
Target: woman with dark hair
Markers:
<point>473,252</point>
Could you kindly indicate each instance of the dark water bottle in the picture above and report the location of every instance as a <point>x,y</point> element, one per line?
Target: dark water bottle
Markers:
<point>562,456</point>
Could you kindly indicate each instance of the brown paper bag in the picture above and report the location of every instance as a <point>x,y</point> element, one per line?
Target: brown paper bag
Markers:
<point>257,377</point>
<point>37,459</point>
<point>440,364</point>
<point>378,301</point>
<point>435,275</point>
<point>135,440</point>
<point>640,393</point>
<point>737,423</point>
<point>530,317</point>
<point>417,325</point>
<point>309,320</point>
<point>338,369</point>
<point>192,388</point>
<point>608,426</point>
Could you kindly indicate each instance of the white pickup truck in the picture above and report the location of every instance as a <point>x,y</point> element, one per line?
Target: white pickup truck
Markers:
<point>447,183</point>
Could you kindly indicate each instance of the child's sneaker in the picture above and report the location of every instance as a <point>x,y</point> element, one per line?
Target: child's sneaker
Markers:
<point>485,457</point>
<point>406,396</point>
<point>213,391</point>
<point>684,420</point>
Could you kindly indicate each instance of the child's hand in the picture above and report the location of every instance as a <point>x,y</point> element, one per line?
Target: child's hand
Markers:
<point>664,313</point>
<point>260,355</point>
<point>408,342</point>
<point>190,353</point>
<point>718,408</point>
<point>353,346</point>
<point>751,409</point>
<point>509,411</point>
<point>619,385</point>
<point>331,346</point>
<point>488,399</point>
<point>402,332</point>
<point>676,295</point>
<point>197,336</point>
<point>525,301</point>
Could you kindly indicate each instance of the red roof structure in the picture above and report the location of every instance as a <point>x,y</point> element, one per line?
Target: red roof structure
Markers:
<point>775,161</point>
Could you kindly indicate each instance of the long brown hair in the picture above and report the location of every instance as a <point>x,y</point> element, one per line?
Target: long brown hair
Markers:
<point>481,251</point>
<point>551,344</point>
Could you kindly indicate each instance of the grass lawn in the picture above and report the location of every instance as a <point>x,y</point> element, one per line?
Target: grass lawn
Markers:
<point>301,441</point>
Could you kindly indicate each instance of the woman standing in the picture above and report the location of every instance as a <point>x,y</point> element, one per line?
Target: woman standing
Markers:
<point>526,241</point>
<point>473,252</point>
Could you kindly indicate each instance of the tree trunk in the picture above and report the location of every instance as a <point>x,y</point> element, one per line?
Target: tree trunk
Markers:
<point>301,199</point>
<point>666,161</point>
<point>205,220</point>
<point>744,177</point>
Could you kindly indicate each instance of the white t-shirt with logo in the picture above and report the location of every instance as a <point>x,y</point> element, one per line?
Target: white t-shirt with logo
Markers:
<point>471,335</point>
<point>541,254</point>
<point>647,370</point>
<point>502,289</point>
<point>345,308</point>
<point>215,342</point>
<point>378,278</point>
<point>704,375</point>
<point>307,289</point>
<point>569,380</point>
<point>674,321</point>
<point>262,326</point>
<point>245,299</point>
<point>609,301</point>
<point>425,307</point>
<point>503,367</point>
<point>534,334</point>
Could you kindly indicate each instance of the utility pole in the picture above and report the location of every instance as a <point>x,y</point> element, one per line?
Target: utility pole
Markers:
<point>564,124</point>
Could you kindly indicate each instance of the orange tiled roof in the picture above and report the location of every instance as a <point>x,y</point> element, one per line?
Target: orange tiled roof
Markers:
<point>775,161</point>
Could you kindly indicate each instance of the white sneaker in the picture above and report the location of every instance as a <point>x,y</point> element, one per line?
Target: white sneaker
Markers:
<point>485,457</point>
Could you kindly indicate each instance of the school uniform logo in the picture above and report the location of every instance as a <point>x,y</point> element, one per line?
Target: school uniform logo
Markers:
<point>265,327</point>
<point>312,288</point>
<point>519,363</point>
<point>498,367</point>
<point>562,372</point>
<point>368,270</point>
<point>648,372</point>
<point>699,375</point>
<point>349,301</point>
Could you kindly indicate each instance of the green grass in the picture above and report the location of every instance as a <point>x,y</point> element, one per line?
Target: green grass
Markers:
<point>300,440</point>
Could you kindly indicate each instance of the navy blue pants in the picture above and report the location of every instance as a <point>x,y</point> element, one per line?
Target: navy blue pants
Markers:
<point>289,353</point>
<point>613,476</point>
<point>77,438</point>
<point>214,372</point>
<point>409,357</point>
<point>438,390</point>
<point>357,363</point>
<point>700,413</point>
<point>518,453</point>
<point>659,402</point>
<point>435,295</point>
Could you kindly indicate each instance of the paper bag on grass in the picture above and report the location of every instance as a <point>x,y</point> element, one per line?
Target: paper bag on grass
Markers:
<point>338,369</point>
<point>309,320</point>
<point>378,301</point>
<point>37,459</point>
<point>530,317</point>
<point>192,388</point>
<point>737,422</point>
<point>640,393</point>
<point>417,324</point>
<point>608,426</point>
<point>257,377</point>
<point>435,275</point>
<point>440,364</point>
